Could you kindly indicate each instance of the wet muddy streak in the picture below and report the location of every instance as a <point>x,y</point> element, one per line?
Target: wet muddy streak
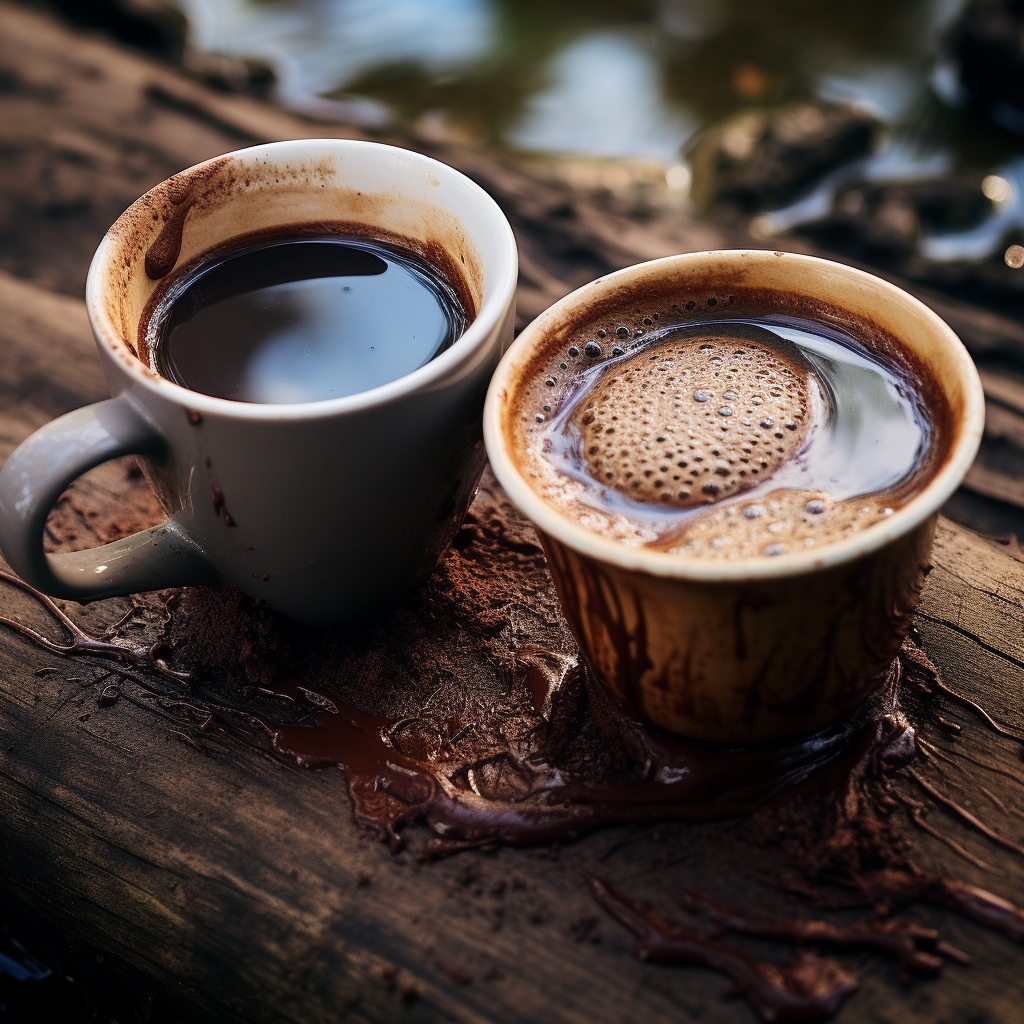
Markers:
<point>809,990</point>
<point>532,796</point>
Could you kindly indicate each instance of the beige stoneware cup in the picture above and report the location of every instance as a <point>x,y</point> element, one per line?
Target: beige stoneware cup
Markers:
<point>756,649</point>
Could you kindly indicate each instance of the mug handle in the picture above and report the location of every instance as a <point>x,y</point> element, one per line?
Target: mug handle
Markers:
<point>43,467</point>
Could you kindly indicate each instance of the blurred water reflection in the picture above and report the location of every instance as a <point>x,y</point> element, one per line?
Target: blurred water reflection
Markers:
<point>604,100</point>
<point>597,77</point>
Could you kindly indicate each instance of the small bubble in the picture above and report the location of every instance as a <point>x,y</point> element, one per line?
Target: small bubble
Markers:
<point>886,512</point>
<point>757,401</point>
<point>691,304</point>
<point>791,425</point>
<point>564,366</point>
<point>712,301</point>
<point>622,332</point>
<point>774,549</point>
<point>730,396</point>
<point>753,512</point>
<point>602,333</point>
<point>647,321</point>
<point>702,396</point>
<point>767,423</point>
<point>573,351</point>
<point>550,382</point>
<point>815,507</point>
<point>725,411</point>
<point>547,408</point>
<point>539,418</point>
<point>592,349</point>
<point>711,488</point>
<point>716,360</point>
<point>618,350</point>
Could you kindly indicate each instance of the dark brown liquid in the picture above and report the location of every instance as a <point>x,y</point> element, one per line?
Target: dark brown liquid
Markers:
<point>303,320</point>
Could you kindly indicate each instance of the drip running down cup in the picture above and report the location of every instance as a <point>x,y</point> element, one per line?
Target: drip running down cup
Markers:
<point>298,339</point>
<point>735,462</point>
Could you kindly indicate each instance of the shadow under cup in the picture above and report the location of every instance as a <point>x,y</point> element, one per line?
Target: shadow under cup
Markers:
<point>748,649</point>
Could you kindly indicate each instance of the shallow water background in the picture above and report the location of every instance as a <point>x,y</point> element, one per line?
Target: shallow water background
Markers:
<point>610,78</point>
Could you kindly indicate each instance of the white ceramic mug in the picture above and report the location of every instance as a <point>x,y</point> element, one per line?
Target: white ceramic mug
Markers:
<point>332,510</point>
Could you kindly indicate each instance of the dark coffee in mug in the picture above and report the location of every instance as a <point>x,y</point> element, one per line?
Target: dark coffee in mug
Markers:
<point>723,435</point>
<point>302,319</point>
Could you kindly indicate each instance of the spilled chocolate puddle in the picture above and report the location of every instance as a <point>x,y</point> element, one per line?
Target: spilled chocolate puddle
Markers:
<point>468,709</point>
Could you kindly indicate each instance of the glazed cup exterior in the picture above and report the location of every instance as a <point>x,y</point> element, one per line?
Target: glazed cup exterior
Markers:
<point>747,650</point>
<point>328,511</point>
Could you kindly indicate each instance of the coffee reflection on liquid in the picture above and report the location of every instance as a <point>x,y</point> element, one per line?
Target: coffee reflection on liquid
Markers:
<point>303,320</point>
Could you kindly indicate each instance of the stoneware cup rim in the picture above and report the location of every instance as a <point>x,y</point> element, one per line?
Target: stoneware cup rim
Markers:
<point>101,280</point>
<point>967,430</point>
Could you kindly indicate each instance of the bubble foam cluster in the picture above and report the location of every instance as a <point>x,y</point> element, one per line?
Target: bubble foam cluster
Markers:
<point>695,418</point>
<point>783,521</point>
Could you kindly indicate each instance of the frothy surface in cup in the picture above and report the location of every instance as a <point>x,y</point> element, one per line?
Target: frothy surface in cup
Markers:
<point>726,438</point>
<point>696,417</point>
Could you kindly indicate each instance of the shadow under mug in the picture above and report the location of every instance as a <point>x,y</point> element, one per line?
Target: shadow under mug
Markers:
<point>754,649</point>
<point>330,511</point>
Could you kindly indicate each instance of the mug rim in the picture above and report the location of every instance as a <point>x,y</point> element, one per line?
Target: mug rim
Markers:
<point>447,363</point>
<point>549,521</point>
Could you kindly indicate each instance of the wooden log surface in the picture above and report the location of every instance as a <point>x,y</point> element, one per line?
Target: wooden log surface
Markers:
<point>236,889</point>
<point>244,890</point>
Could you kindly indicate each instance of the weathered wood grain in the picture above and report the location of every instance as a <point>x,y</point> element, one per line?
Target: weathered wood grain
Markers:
<point>998,471</point>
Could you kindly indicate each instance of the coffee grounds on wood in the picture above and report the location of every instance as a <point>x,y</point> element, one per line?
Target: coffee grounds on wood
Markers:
<point>474,687</point>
